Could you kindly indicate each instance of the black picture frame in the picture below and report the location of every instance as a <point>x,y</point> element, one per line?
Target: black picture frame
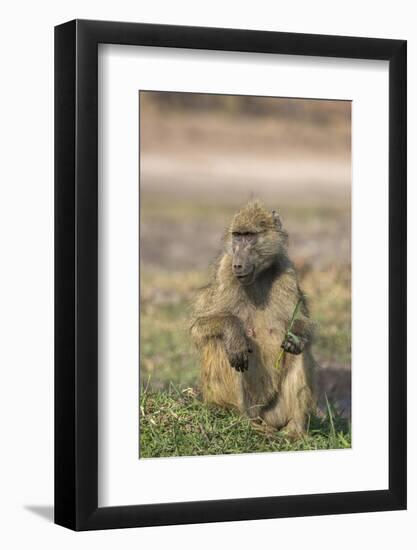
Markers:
<point>76,272</point>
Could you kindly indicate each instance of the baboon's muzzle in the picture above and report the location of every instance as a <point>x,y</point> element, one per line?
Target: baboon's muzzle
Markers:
<point>242,268</point>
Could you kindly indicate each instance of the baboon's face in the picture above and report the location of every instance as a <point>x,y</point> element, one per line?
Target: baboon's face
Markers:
<point>255,241</point>
<point>245,257</point>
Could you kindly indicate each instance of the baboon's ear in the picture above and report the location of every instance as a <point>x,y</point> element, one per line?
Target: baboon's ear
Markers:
<point>277,219</point>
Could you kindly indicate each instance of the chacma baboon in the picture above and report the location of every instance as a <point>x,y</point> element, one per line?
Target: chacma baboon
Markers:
<point>241,323</point>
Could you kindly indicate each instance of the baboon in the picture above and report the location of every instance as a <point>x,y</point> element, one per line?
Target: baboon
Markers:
<point>241,323</point>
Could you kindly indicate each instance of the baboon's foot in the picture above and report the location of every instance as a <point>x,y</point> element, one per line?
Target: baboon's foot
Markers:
<point>261,426</point>
<point>293,430</point>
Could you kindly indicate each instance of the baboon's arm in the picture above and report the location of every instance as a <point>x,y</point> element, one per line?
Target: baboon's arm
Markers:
<point>230,330</point>
<point>287,293</point>
<point>211,326</point>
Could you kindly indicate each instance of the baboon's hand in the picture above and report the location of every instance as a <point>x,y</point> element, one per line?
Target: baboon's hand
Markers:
<point>237,352</point>
<point>294,344</point>
<point>238,361</point>
<point>236,344</point>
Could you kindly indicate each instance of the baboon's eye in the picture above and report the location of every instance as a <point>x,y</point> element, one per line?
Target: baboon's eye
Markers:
<point>247,236</point>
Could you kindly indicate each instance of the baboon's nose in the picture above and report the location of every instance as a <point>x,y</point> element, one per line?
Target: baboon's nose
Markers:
<point>237,267</point>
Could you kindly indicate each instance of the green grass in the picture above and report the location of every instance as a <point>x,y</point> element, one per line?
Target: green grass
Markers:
<point>174,421</point>
<point>177,423</point>
<point>329,296</point>
<point>167,355</point>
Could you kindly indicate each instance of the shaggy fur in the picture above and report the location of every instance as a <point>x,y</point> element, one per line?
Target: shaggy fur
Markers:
<point>240,322</point>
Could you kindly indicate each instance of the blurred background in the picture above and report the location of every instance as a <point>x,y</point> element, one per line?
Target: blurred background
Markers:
<point>202,157</point>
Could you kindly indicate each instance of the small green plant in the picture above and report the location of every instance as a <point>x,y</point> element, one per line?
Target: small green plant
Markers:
<point>288,333</point>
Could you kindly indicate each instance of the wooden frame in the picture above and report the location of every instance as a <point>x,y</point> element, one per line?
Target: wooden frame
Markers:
<point>76,270</point>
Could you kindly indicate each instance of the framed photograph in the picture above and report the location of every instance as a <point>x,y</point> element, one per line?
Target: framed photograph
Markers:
<point>230,284</point>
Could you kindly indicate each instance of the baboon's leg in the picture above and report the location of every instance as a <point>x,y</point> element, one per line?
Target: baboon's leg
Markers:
<point>259,385</point>
<point>295,397</point>
<point>220,383</point>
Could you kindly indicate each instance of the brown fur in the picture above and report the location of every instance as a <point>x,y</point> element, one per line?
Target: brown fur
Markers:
<point>244,325</point>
